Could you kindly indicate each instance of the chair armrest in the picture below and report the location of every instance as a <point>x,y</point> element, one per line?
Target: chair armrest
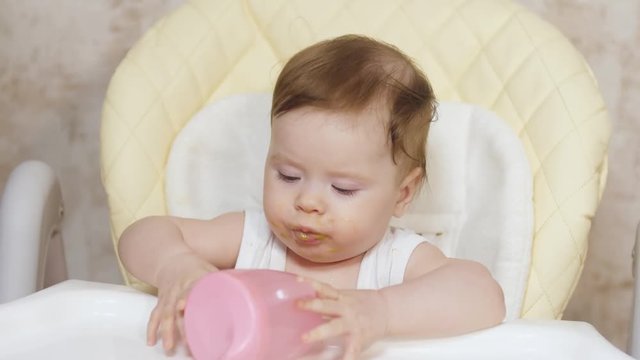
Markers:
<point>31,248</point>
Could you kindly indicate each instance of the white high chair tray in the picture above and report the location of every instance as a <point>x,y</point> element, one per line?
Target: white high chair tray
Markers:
<point>85,320</point>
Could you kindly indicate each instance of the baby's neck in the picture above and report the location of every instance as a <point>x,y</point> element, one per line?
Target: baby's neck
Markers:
<point>342,274</point>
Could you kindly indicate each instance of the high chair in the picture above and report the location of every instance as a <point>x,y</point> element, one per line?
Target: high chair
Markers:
<point>491,53</point>
<point>31,247</point>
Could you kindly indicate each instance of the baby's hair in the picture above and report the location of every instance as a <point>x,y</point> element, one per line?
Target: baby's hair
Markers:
<point>349,73</point>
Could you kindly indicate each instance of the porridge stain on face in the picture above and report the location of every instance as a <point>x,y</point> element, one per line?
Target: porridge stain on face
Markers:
<point>332,250</point>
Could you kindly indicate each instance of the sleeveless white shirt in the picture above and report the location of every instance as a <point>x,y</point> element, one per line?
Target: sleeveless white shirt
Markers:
<point>383,265</point>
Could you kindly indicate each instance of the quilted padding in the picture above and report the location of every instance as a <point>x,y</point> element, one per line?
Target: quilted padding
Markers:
<point>493,53</point>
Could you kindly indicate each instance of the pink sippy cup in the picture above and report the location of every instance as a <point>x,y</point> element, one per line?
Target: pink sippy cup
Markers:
<point>249,315</point>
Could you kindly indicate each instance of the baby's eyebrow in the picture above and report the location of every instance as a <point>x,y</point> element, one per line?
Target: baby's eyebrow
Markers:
<point>282,158</point>
<point>349,175</point>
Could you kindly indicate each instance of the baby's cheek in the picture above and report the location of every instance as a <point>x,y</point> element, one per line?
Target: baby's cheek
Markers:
<point>274,219</point>
<point>276,205</point>
<point>353,240</point>
<point>275,208</point>
<point>349,228</point>
<point>322,222</point>
<point>274,226</point>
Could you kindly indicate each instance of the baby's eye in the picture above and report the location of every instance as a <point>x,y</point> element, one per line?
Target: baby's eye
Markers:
<point>287,178</point>
<point>342,191</point>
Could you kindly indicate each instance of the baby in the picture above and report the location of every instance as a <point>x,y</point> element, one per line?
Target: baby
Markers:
<point>350,118</point>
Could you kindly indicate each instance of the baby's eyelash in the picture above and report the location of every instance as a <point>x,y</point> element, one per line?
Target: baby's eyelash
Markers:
<point>346,192</point>
<point>287,178</point>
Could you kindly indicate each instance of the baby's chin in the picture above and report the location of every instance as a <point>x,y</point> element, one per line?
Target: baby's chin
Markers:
<point>322,255</point>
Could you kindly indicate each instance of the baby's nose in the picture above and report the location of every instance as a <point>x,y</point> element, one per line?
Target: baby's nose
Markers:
<point>310,202</point>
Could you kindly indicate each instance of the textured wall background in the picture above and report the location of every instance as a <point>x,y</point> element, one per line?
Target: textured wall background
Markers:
<point>56,59</point>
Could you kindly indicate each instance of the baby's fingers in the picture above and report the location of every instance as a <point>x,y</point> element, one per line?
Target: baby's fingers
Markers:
<point>168,329</point>
<point>327,330</point>
<point>332,329</point>
<point>323,306</point>
<point>152,326</point>
<point>323,290</point>
<point>181,305</point>
<point>180,322</point>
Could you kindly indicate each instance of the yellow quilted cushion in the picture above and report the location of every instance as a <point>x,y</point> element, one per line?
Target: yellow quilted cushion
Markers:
<point>489,52</point>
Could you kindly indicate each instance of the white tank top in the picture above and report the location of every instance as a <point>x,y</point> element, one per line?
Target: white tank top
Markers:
<point>383,265</point>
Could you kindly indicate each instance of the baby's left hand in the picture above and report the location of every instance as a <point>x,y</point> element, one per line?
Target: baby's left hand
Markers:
<point>359,315</point>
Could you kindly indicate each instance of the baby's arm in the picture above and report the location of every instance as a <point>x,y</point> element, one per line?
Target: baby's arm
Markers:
<point>149,244</point>
<point>171,254</point>
<point>439,297</point>
<point>442,297</point>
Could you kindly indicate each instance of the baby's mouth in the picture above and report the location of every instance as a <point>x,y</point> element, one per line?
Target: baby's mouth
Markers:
<point>308,236</point>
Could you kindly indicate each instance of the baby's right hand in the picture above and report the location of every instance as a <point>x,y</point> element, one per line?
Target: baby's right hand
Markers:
<point>174,280</point>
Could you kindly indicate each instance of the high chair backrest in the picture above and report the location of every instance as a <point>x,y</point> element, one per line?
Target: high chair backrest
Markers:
<point>493,53</point>
<point>476,203</point>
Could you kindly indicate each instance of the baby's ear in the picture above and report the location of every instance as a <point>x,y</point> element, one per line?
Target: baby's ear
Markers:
<point>407,190</point>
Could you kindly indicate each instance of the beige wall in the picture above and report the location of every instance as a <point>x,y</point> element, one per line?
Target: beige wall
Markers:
<point>56,58</point>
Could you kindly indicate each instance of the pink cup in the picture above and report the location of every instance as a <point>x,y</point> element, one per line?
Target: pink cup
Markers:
<point>249,315</point>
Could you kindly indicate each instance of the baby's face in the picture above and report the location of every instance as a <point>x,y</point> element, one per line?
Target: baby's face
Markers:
<point>330,184</point>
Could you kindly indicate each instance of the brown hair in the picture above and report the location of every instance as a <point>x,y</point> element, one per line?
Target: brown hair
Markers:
<point>347,74</point>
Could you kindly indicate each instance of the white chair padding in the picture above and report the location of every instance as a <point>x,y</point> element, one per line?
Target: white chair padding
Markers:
<point>477,201</point>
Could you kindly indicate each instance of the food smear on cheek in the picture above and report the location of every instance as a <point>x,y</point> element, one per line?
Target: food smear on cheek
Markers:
<point>322,222</point>
<point>280,231</point>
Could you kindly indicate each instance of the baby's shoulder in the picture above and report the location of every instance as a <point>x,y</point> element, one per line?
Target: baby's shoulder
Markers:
<point>425,257</point>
